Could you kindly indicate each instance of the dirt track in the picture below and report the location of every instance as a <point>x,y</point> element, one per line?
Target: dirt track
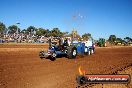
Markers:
<point>22,68</point>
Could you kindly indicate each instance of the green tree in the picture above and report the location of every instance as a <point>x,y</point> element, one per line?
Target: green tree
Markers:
<point>48,33</point>
<point>56,32</point>
<point>127,39</point>
<point>24,31</point>
<point>2,29</point>
<point>86,36</point>
<point>13,29</point>
<point>112,39</point>
<point>64,33</point>
<point>40,32</point>
<point>31,29</point>
<point>119,40</point>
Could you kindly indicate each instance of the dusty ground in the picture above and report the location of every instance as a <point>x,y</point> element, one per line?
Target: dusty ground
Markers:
<point>127,70</point>
<point>20,66</point>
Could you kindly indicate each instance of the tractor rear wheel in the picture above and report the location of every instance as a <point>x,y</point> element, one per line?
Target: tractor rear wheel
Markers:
<point>86,51</point>
<point>92,51</point>
<point>89,52</point>
<point>72,52</point>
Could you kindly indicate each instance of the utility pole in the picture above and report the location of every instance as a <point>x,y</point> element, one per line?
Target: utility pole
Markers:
<point>17,30</point>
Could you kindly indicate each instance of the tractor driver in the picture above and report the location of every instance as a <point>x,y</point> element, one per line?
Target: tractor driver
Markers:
<point>65,42</point>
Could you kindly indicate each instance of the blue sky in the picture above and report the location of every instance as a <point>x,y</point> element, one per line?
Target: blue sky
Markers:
<point>101,18</point>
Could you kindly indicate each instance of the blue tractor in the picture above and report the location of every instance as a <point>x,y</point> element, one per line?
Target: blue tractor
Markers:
<point>64,50</point>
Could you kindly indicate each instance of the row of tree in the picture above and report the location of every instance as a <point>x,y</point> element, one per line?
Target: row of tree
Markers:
<point>31,30</point>
<point>114,40</point>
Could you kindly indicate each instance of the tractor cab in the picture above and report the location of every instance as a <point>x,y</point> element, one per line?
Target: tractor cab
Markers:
<point>61,45</point>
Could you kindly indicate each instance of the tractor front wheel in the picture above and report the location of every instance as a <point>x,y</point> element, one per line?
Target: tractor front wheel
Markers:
<point>53,57</point>
<point>41,54</point>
